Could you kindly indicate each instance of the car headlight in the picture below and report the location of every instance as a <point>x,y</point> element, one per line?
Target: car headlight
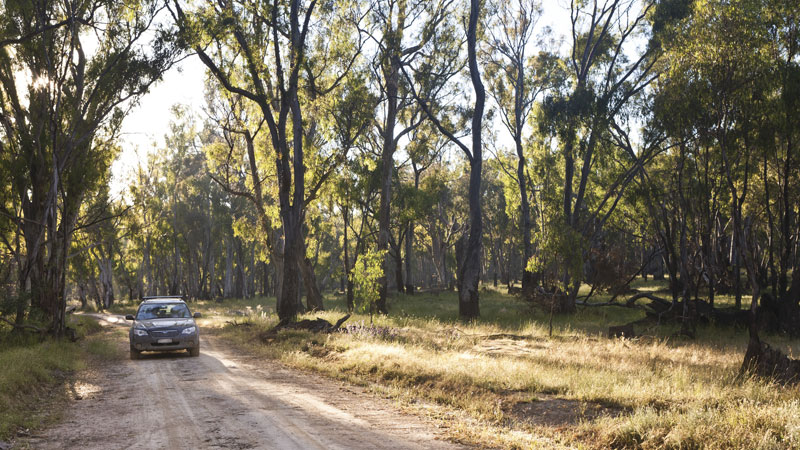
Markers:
<point>139,332</point>
<point>190,330</point>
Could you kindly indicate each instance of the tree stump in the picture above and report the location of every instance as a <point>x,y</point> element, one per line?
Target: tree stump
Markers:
<point>765,361</point>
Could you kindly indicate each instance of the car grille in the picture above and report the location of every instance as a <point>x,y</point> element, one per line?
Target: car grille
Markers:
<point>163,333</point>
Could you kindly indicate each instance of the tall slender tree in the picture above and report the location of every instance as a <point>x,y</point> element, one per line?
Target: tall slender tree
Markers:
<point>469,256</point>
<point>516,79</point>
<point>399,29</point>
<point>259,51</point>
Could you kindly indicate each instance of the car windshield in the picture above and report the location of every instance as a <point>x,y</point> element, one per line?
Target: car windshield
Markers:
<point>163,311</point>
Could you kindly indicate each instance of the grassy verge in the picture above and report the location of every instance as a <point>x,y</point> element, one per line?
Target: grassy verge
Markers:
<point>36,376</point>
<point>504,381</point>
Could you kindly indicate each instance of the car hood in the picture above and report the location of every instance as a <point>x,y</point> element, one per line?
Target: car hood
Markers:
<point>165,323</point>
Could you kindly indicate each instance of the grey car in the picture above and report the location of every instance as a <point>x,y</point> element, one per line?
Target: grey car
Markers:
<point>163,324</point>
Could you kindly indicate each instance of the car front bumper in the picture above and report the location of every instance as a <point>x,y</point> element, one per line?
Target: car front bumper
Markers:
<point>152,344</point>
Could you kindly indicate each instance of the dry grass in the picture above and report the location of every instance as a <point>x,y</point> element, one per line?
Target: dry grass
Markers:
<point>502,381</point>
<point>35,375</point>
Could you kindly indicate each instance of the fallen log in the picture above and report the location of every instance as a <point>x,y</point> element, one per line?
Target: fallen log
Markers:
<point>657,304</point>
<point>653,298</point>
<point>317,325</point>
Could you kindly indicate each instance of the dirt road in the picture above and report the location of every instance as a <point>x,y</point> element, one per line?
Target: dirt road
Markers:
<point>221,400</point>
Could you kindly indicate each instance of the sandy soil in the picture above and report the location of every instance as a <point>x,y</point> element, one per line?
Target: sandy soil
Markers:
<point>222,400</point>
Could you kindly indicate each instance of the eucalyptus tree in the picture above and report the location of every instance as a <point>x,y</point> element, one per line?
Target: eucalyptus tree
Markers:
<point>469,255</point>
<point>502,238</point>
<point>776,133</point>
<point>349,122</point>
<point>424,150</point>
<point>64,89</point>
<point>607,71</point>
<point>12,253</point>
<point>146,210</point>
<point>274,55</point>
<point>399,29</point>
<point>184,234</point>
<point>444,222</point>
<point>357,194</point>
<point>101,230</point>
<point>236,163</point>
<point>740,63</point>
<point>517,77</point>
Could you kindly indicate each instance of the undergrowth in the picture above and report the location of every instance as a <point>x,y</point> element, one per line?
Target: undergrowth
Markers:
<point>34,374</point>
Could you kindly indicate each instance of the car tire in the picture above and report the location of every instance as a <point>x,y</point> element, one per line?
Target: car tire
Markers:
<point>135,354</point>
<point>194,351</point>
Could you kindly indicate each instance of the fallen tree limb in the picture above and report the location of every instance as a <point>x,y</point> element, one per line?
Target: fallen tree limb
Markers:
<point>661,301</point>
<point>341,321</point>
<point>621,305</point>
<point>631,302</point>
<point>317,325</point>
<point>23,326</point>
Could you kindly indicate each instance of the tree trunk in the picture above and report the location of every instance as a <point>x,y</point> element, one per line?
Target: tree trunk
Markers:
<point>387,168</point>
<point>525,209</point>
<point>287,305</point>
<point>348,281</point>
<point>53,300</point>
<point>470,266</point>
<point>786,223</point>
<point>737,282</point>
<point>227,281</point>
<point>239,282</point>
<point>398,270</point>
<point>82,294</point>
<point>409,258</point>
<point>277,264</point>
<point>313,295</point>
<point>106,281</point>
<point>148,271</point>
<point>264,278</point>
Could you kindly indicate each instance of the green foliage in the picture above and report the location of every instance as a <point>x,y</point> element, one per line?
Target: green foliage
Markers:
<point>68,73</point>
<point>10,303</point>
<point>560,252</point>
<point>366,274</point>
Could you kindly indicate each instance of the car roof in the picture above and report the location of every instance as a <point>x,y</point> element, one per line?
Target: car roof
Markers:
<point>163,300</point>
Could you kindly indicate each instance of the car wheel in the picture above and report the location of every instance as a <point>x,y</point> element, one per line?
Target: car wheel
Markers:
<point>135,354</point>
<point>195,351</point>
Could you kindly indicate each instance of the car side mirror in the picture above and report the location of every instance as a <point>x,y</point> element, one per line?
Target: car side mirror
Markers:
<point>197,315</point>
<point>129,317</point>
